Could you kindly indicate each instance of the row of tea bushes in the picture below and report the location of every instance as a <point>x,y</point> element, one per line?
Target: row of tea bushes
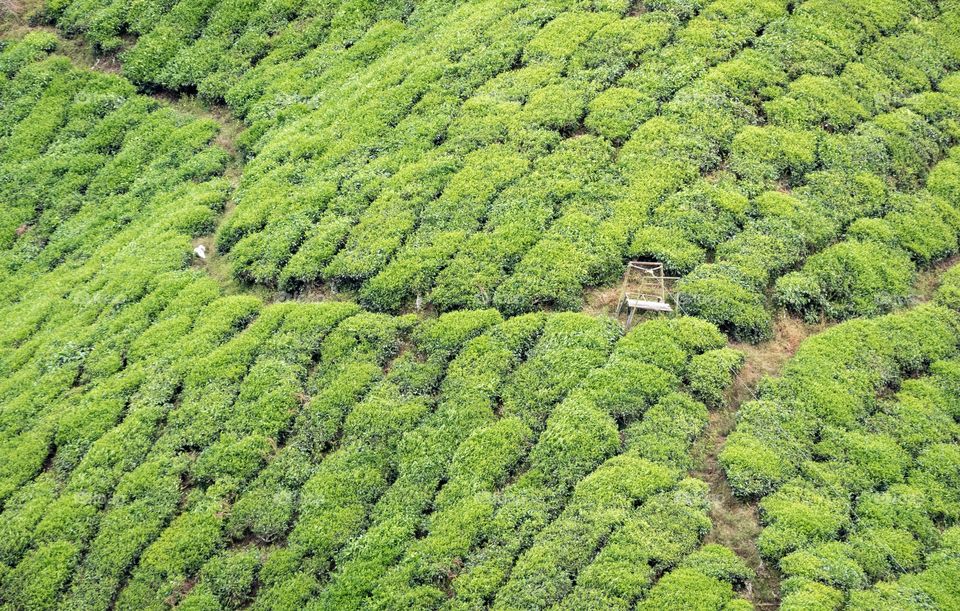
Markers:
<point>171,485</point>
<point>156,433</point>
<point>102,318</point>
<point>836,188</point>
<point>555,273</point>
<point>455,170</point>
<point>82,153</point>
<point>424,251</point>
<point>210,46</point>
<point>536,534</point>
<point>460,282</point>
<point>853,453</point>
<point>479,455</point>
<point>687,140</point>
<point>468,272</point>
<point>140,178</point>
<point>872,270</point>
<point>350,236</point>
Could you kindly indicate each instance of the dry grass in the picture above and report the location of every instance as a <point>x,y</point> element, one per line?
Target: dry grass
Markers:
<point>15,15</point>
<point>768,358</point>
<point>928,280</point>
<point>187,103</point>
<point>602,301</point>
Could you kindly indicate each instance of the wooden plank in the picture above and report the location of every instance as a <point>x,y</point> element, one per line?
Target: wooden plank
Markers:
<point>655,306</point>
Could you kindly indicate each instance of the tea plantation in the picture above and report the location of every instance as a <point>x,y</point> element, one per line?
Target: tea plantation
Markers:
<point>312,304</point>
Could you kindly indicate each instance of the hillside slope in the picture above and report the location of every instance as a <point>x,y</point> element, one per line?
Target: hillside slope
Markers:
<point>377,389</point>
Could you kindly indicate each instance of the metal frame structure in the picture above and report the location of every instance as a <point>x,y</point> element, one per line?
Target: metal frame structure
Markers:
<point>646,288</point>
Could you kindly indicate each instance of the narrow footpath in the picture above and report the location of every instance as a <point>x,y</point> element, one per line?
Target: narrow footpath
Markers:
<point>736,523</point>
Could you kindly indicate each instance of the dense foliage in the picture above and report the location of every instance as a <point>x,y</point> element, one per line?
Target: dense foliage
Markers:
<point>557,209</point>
<point>873,269</point>
<point>511,153</point>
<point>854,453</point>
<point>164,443</point>
<point>435,428</point>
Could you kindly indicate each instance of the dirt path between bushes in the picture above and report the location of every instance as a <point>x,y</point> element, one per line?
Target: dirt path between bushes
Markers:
<point>736,522</point>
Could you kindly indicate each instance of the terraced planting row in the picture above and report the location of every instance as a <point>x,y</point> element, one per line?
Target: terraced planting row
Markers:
<point>402,175</point>
<point>211,46</point>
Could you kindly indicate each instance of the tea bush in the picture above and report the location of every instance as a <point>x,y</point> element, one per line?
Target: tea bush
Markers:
<point>709,374</point>
<point>885,252</point>
<point>854,278</point>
